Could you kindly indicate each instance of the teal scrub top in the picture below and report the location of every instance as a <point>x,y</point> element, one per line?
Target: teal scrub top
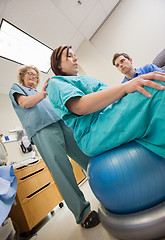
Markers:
<point>134,117</point>
<point>35,118</point>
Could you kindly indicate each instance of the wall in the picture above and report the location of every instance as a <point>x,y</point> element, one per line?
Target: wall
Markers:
<point>136,27</point>
<point>10,121</point>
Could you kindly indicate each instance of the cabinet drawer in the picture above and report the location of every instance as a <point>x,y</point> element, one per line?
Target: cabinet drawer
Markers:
<point>39,205</point>
<point>32,183</point>
<point>29,169</point>
<point>79,174</point>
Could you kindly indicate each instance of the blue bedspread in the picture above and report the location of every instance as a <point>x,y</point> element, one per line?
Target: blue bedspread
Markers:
<point>8,188</point>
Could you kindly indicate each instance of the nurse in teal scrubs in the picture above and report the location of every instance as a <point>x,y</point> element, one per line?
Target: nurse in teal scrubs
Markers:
<point>54,141</point>
<point>104,117</point>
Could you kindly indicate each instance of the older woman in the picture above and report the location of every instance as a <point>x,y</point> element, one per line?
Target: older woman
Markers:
<point>53,139</point>
<point>104,117</point>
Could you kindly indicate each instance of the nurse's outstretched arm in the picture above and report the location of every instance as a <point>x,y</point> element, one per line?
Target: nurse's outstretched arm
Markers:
<point>31,101</point>
<point>96,101</point>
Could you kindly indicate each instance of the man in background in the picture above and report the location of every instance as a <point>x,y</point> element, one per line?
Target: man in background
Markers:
<point>123,62</point>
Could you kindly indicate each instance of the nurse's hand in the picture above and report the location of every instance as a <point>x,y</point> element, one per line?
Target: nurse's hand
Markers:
<point>44,87</point>
<point>138,83</point>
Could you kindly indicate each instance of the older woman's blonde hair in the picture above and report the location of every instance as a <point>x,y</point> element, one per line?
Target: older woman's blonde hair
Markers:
<point>23,70</point>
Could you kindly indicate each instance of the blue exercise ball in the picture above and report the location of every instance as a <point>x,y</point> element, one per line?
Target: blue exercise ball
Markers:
<point>128,178</point>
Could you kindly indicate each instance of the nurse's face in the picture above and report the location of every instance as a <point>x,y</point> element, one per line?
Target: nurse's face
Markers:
<point>30,78</point>
<point>69,64</point>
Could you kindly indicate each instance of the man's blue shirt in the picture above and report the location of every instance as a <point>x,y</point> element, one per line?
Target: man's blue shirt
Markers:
<point>143,70</point>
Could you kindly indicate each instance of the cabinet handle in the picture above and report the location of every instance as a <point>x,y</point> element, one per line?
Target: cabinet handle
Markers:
<point>23,178</point>
<point>27,165</point>
<point>32,194</point>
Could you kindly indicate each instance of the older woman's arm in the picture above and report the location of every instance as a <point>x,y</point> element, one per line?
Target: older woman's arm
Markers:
<point>31,101</point>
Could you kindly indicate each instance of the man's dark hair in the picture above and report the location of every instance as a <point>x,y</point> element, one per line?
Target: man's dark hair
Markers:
<point>116,55</point>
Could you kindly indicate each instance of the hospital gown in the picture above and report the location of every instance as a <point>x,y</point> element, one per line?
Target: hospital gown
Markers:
<point>133,117</point>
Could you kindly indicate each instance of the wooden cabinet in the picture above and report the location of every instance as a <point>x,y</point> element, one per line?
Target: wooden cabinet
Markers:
<point>37,194</point>
<point>79,174</point>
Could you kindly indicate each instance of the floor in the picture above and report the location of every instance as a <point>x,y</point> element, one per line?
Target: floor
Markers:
<point>61,224</point>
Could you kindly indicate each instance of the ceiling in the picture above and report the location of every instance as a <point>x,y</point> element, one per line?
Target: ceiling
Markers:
<point>54,23</point>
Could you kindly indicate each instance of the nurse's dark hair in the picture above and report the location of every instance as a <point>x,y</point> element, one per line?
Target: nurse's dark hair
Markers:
<point>116,55</point>
<point>55,59</point>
